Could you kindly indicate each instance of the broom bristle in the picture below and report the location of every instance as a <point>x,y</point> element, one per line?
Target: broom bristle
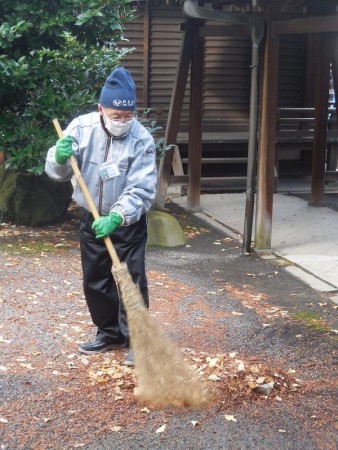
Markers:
<point>163,376</point>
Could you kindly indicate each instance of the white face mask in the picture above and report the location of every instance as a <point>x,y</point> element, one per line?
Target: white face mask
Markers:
<point>117,128</point>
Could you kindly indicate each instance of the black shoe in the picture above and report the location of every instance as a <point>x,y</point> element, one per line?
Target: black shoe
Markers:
<point>100,344</point>
<point>130,360</point>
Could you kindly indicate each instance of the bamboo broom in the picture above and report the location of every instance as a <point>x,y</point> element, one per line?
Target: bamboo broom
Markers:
<point>163,376</point>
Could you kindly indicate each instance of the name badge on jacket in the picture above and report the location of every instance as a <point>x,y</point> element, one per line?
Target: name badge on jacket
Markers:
<point>109,170</point>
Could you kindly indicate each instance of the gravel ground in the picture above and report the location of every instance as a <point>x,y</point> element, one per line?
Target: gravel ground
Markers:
<point>241,321</point>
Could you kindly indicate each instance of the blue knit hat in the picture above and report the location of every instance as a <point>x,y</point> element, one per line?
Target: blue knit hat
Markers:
<point>119,91</point>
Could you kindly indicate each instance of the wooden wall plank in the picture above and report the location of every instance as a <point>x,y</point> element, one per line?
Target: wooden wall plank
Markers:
<point>324,24</point>
<point>134,62</point>
<point>227,59</point>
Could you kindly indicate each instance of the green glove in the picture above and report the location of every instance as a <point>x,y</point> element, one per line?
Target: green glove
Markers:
<point>105,225</point>
<point>63,150</point>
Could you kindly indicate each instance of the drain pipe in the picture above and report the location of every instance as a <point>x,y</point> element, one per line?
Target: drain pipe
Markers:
<point>252,144</point>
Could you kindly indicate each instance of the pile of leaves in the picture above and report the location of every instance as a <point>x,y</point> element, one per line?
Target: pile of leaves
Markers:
<point>230,377</point>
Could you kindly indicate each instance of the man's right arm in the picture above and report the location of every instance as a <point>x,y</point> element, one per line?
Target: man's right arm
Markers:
<point>57,164</point>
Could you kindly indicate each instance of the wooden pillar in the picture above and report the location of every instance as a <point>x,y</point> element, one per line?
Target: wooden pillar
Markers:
<point>334,60</point>
<point>175,111</point>
<point>195,124</point>
<point>146,56</point>
<point>310,69</point>
<point>321,87</point>
<point>267,137</point>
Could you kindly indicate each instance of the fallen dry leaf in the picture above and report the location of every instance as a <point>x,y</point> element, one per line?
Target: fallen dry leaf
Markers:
<point>215,362</point>
<point>260,380</point>
<point>145,410</point>
<point>213,377</point>
<point>27,366</point>
<point>230,418</point>
<point>240,366</point>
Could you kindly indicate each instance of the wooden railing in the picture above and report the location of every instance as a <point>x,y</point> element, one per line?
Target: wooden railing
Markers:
<point>294,126</point>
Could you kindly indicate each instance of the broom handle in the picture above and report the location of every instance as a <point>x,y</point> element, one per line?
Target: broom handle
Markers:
<point>91,204</point>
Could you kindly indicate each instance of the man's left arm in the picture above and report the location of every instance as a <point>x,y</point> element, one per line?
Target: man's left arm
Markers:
<point>140,188</point>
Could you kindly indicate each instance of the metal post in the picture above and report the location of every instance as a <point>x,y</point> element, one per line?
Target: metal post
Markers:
<point>252,145</point>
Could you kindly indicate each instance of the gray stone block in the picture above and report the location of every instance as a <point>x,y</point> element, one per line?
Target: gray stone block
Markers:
<point>164,230</point>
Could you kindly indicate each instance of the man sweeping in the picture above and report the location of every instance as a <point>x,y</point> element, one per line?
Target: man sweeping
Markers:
<point>117,158</point>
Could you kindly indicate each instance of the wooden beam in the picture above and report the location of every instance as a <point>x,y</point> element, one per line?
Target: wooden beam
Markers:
<point>322,24</point>
<point>195,125</point>
<point>267,146</point>
<point>225,30</point>
<point>175,111</point>
<point>321,87</point>
<point>177,162</point>
<point>183,180</point>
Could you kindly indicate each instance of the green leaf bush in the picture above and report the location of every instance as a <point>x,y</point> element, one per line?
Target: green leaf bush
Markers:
<point>54,58</point>
<point>146,118</point>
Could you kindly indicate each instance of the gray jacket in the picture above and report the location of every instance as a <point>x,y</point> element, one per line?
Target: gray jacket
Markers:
<point>132,191</point>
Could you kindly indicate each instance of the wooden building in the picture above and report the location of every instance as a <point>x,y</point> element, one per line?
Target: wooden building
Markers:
<point>193,64</point>
<point>156,34</point>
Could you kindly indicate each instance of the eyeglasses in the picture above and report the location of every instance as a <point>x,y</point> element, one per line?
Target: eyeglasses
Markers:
<point>119,117</point>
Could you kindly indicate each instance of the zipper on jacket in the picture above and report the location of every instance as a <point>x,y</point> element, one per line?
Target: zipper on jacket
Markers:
<point>101,181</point>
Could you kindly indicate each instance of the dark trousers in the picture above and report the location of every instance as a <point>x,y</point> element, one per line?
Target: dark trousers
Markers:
<point>101,293</point>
